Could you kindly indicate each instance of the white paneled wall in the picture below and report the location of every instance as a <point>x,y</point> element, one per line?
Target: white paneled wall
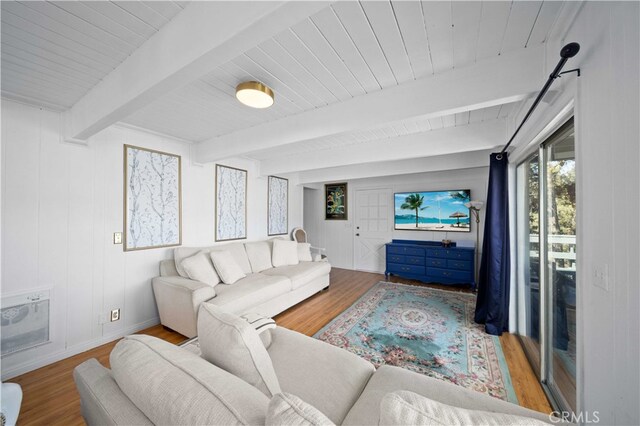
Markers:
<point>61,204</point>
<point>337,236</point>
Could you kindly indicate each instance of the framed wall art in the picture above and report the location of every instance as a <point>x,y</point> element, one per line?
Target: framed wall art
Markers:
<point>152,199</point>
<point>277,206</point>
<point>335,201</point>
<point>231,203</point>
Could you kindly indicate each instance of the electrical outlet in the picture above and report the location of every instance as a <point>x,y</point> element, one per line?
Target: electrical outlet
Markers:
<point>117,238</point>
<point>115,315</point>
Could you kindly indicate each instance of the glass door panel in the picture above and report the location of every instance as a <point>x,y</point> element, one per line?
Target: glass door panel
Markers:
<point>561,262</point>
<point>529,259</point>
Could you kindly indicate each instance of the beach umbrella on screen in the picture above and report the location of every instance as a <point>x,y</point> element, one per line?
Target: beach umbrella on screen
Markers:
<point>458,215</point>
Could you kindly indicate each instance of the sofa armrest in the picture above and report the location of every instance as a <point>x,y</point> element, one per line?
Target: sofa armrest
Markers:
<point>101,400</point>
<point>178,300</point>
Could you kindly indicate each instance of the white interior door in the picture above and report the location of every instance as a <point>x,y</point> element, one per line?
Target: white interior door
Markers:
<point>372,228</point>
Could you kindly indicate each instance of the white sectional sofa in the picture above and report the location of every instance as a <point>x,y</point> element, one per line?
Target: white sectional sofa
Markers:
<point>265,289</point>
<point>239,377</point>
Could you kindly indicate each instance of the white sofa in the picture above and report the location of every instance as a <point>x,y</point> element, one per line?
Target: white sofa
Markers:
<point>266,291</point>
<point>154,382</point>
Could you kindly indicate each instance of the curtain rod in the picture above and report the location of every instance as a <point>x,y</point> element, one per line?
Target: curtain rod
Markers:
<point>568,51</point>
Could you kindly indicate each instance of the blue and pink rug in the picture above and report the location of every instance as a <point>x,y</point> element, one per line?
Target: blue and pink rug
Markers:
<point>425,330</point>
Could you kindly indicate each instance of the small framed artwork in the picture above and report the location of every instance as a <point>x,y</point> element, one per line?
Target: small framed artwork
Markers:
<point>231,203</point>
<point>335,201</point>
<point>277,206</point>
<point>152,199</point>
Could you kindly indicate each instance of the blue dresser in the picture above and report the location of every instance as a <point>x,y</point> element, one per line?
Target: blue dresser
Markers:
<point>429,261</point>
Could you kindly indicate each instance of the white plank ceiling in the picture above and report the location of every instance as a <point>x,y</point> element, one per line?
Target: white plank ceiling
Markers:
<point>346,50</point>
<point>54,52</point>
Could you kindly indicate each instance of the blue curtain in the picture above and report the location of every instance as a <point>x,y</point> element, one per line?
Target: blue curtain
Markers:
<point>492,306</point>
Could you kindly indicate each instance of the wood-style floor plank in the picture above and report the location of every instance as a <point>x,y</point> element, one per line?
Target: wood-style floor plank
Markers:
<point>50,396</point>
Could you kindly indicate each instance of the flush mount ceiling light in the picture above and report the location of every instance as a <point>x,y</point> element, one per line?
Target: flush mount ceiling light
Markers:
<point>254,94</point>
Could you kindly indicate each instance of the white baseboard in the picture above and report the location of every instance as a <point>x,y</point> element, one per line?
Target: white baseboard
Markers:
<point>34,364</point>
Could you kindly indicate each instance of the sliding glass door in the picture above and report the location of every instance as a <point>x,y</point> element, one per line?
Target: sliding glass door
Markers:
<point>547,282</point>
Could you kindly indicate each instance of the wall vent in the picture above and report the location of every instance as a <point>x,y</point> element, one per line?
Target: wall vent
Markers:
<point>25,321</point>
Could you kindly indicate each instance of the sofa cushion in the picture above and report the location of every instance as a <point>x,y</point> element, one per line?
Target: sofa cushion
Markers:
<point>287,409</point>
<point>389,379</point>
<point>200,268</point>
<point>156,375</point>
<point>231,343</point>
<point>227,268</point>
<point>259,254</point>
<point>238,253</point>
<point>250,291</point>
<point>409,408</point>
<point>329,378</point>
<point>284,253</point>
<point>304,252</point>
<point>302,273</point>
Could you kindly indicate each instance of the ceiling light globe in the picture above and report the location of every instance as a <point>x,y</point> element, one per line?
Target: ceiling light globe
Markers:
<point>254,94</point>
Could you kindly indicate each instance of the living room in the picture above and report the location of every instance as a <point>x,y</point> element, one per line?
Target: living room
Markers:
<point>370,99</point>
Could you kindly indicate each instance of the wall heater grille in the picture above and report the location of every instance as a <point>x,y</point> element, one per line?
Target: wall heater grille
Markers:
<point>24,321</point>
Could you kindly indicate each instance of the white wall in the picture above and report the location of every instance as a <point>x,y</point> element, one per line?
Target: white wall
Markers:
<point>607,106</point>
<point>61,204</point>
<point>337,236</point>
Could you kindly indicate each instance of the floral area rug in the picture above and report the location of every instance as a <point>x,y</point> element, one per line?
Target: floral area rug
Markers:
<point>425,330</point>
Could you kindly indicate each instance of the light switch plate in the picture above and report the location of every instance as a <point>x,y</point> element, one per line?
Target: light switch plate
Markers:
<point>601,276</point>
<point>117,238</point>
<point>115,315</point>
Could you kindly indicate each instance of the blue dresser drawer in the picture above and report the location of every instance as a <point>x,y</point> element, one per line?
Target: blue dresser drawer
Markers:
<point>405,269</point>
<point>458,276</point>
<point>396,258</point>
<point>464,265</point>
<point>411,251</point>
<point>459,254</point>
<point>438,263</point>
<point>414,260</point>
<point>436,253</point>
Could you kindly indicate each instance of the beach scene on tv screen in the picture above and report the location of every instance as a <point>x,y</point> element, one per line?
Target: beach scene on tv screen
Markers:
<point>432,211</point>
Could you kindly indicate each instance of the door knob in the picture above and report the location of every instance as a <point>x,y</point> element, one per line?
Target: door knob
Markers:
<point>357,235</point>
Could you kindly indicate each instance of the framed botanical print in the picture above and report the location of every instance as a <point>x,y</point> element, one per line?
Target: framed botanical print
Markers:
<point>152,199</point>
<point>277,206</point>
<point>335,201</point>
<point>231,203</point>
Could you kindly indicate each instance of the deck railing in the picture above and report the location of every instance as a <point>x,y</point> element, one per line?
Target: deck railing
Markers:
<point>563,250</point>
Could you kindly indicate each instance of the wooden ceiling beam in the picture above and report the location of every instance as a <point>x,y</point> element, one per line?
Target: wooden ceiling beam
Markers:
<point>450,140</point>
<point>202,37</point>
<point>507,78</point>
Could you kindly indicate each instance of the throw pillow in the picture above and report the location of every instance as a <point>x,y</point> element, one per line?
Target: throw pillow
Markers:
<point>181,253</point>
<point>227,268</point>
<point>229,342</point>
<point>259,254</point>
<point>287,409</point>
<point>199,267</point>
<point>304,252</point>
<point>409,408</point>
<point>284,253</point>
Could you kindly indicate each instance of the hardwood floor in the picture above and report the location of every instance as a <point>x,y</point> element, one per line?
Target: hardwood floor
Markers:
<point>50,396</point>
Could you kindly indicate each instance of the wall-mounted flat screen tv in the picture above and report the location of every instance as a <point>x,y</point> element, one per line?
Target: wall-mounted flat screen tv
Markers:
<point>432,211</point>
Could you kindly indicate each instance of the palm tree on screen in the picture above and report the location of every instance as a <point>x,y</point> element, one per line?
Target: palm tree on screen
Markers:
<point>414,202</point>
